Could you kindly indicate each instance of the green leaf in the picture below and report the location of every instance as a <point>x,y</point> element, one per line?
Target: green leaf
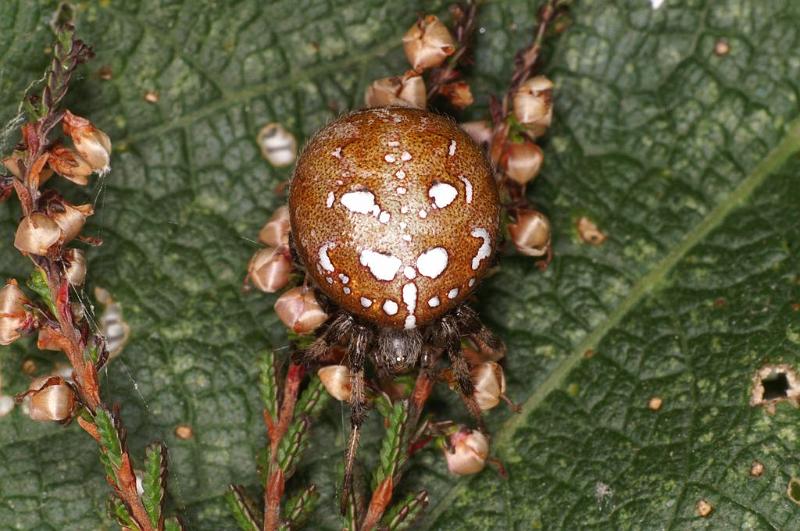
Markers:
<point>685,159</point>
<point>242,509</point>
<point>153,481</point>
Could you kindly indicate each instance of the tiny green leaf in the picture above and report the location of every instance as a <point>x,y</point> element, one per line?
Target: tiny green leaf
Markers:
<point>242,509</point>
<point>153,481</point>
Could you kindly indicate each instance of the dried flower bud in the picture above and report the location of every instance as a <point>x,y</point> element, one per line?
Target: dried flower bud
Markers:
<point>299,310</point>
<point>91,143</point>
<point>12,164</point>
<point>70,165</point>
<point>406,91</point>
<point>458,94</point>
<point>71,218</point>
<point>523,161</point>
<point>276,231</point>
<point>533,105</point>
<point>480,131</point>
<point>52,401</point>
<point>428,43</point>
<point>36,234</point>
<point>75,266</point>
<point>530,233</point>
<point>269,269</point>
<point>490,384</point>
<point>336,379</point>
<point>6,405</point>
<point>14,318</point>
<point>467,452</point>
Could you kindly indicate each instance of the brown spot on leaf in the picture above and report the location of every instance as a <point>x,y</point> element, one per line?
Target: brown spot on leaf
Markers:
<point>757,469</point>
<point>655,403</point>
<point>184,432</point>
<point>704,508</point>
<point>29,367</point>
<point>151,96</point>
<point>589,353</point>
<point>720,302</point>
<point>105,73</point>
<point>793,490</point>
<point>722,48</point>
<point>589,232</point>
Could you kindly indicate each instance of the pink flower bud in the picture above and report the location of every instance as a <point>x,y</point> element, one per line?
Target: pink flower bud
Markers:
<point>299,310</point>
<point>458,94</point>
<point>336,379</point>
<point>490,384</point>
<point>276,231</point>
<point>70,165</point>
<point>533,105</point>
<point>14,318</point>
<point>70,218</point>
<point>530,233</point>
<point>75,261</point>
<point>269,269</point>
<point>406,91</point>
<point>480,131</point>
<point>51,400</point>
<point>92,144</point>
<point>428,43</point>
<point>523,161</point>
<point>467,452</point>
<point>36,234</point>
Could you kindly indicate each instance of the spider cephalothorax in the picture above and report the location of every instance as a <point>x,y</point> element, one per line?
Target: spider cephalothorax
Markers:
<point>394,216</point>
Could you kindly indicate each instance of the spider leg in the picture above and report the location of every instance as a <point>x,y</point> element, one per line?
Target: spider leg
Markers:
<point>360,342</point>
<point>337,331</point>
<point>458,363</point>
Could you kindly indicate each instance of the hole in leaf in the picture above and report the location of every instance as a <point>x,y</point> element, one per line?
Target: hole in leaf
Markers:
<point>793,490</point>
<point>773,384</point>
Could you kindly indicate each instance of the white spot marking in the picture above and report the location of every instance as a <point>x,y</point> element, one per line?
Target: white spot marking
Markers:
<point>656,3</point>
<point>400,174</point>
<point>389,158</point>
<point>405,156</point>
<point>390,307</point>
<point>382,266</point>
<point>404,209</point>
<point>409,272</point>
<point>406,237</point>
<point>467,188</point>
<point>324,259</point>
<point>365,302</point>
<point>485,249</point>
<point>471,282</point>
<point>452,149</point>
<point>329,280</point>
<point>330,200</point>
<point>346,290</point>
<point>443,194</point>
<point>410,300</point>
<point>403,225</point>
<point>453,293</point>
<point>337,153</point>
<point>361,202</point>
<point>401,190</point>
<point>433,302</point>
<point>344,278</point>
<point>339,182</point>
<point>432,262</point>
<point>392,143</point>
<point>384,217</point>
<point>423,214</point>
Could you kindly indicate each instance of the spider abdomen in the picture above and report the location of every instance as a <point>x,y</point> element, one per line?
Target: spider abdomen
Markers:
<point>394,213</point>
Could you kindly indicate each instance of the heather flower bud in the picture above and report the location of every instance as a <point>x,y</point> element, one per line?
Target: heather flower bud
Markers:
<point>458,94</point>
<point>406,91</point>
<point>480,131</point>
<point>269,269</point>
<point>533,105</point>
<point>467,452</point>
<point>91,143</point>
<point>276,231</point>
<point>12,164</point>
<point>336,379</point>
<point>14,318</point>
<point>523,162</point>
<point>490,384</point>
<point>428,43</point>
<point>70,165</point>
<point>75,260</point>
<point>299,310</point>
<point>530,233</point>
<point>52,401</point>
<point>36,234</point>
<point>70,218</point>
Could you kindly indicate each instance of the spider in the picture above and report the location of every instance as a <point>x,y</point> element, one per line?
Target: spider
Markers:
<point>394,218</point>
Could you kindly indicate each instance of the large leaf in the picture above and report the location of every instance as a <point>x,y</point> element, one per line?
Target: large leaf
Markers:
<point>684,158</point>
